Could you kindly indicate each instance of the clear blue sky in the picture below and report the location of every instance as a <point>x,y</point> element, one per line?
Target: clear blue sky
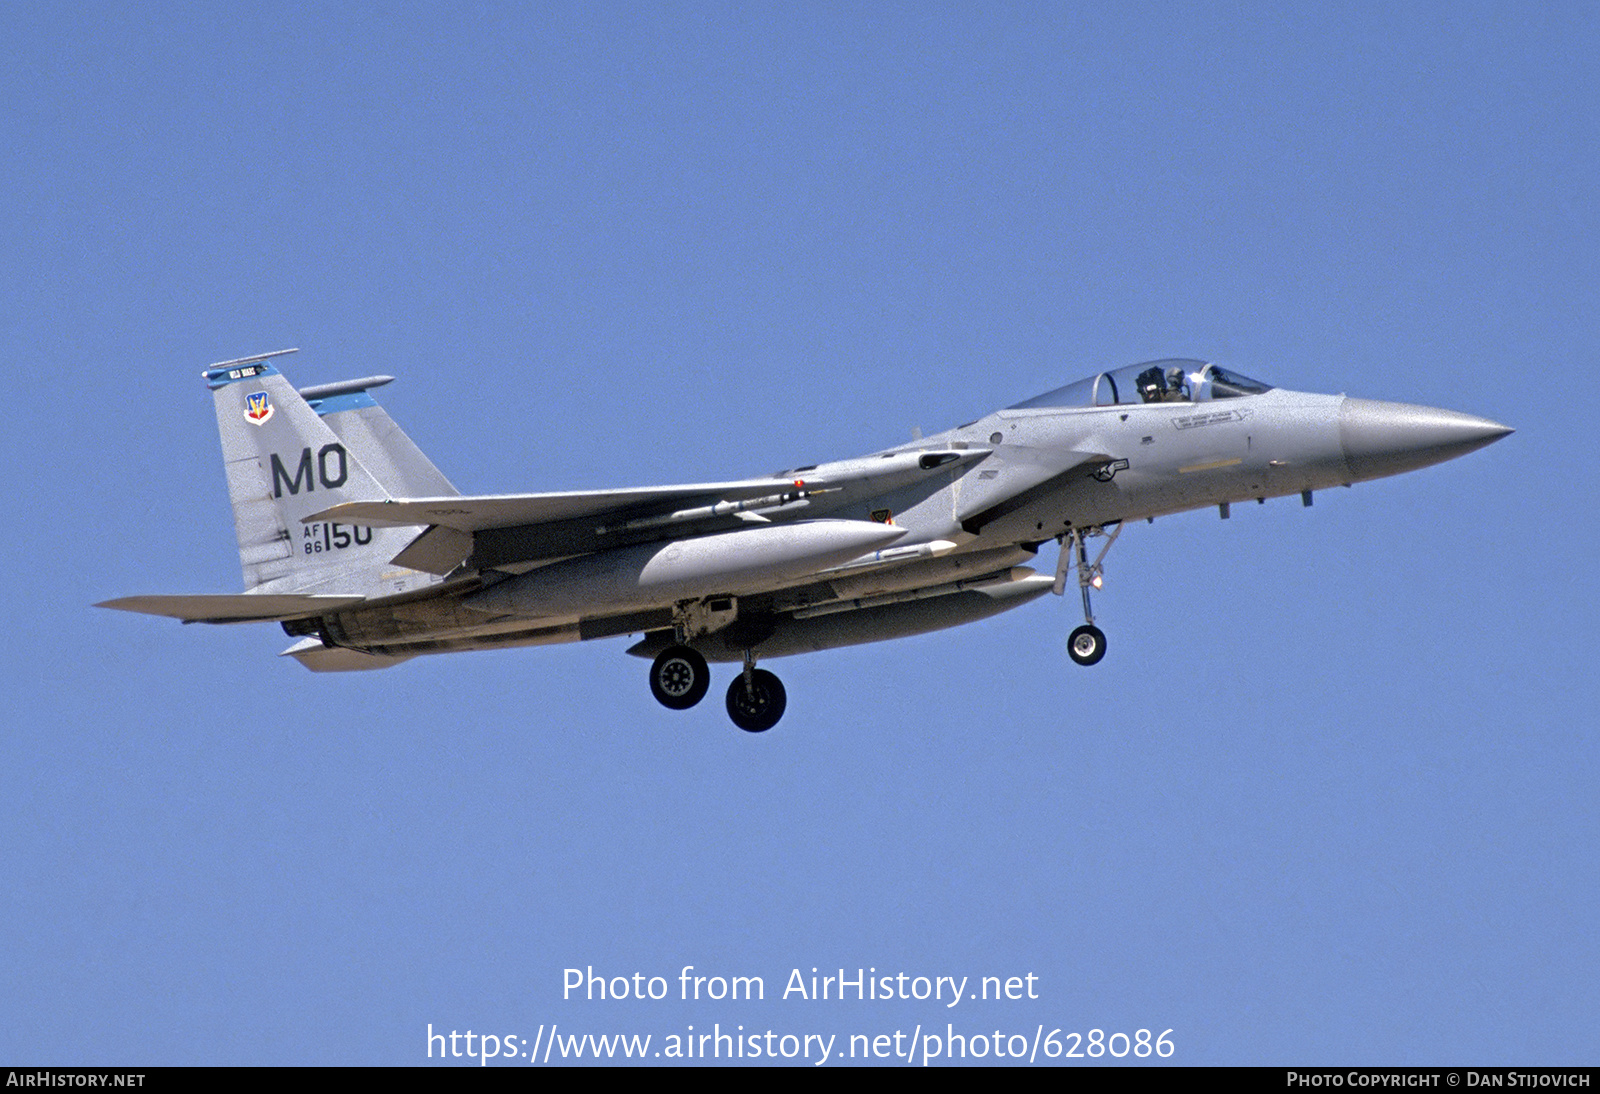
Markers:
<point>1329,799</point>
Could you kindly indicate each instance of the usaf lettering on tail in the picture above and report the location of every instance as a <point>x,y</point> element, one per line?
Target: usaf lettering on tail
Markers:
<point>353,541</point>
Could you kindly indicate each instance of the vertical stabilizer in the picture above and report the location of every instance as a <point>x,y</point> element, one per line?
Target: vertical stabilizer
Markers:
<point>283,464</point>
<point>373,438</point>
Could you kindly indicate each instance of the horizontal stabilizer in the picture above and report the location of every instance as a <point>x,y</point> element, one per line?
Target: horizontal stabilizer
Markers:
<point>238,608</point>
<point>311,653</point>
<point>478,514</point>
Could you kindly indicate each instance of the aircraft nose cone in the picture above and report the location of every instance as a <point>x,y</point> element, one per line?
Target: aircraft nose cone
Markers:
<point>1388,438</point>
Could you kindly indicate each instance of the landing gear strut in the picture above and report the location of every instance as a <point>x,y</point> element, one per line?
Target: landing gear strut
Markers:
<point>1087,644</point>
<point>756,698</point>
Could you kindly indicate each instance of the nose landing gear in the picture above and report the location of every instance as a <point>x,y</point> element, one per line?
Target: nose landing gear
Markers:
<point>1087,644</point>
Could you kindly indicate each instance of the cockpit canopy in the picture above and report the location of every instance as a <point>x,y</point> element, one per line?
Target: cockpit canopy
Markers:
<point>1173,381</point>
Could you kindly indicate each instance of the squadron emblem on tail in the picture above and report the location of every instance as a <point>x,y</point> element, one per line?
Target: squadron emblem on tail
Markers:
<point>257,408</point>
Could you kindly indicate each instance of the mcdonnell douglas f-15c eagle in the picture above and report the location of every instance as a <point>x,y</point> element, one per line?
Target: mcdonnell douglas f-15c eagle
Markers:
<point>353,541</point>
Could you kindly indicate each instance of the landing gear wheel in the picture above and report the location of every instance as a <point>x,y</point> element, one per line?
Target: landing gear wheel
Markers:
<point>679,678</point>
<point>757,707</point>
<point>1087,644</point>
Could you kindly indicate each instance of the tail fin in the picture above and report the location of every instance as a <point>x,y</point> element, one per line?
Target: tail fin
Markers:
<point>373,438</point>
<point>284,463</point>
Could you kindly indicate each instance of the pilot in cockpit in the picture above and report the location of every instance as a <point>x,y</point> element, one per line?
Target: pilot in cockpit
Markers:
<point>1154,387</point>
<point>1150,385</point>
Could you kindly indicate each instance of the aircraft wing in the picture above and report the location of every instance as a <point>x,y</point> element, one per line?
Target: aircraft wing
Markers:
<point>237,608</point>
<point>511,530</point>
<point>506,530</point>
<point>488,512</point>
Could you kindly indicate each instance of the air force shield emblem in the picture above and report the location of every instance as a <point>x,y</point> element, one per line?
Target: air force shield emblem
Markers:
<point>257,407</point>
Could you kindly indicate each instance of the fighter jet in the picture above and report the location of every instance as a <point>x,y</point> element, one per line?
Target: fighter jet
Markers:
<point>357,545</point>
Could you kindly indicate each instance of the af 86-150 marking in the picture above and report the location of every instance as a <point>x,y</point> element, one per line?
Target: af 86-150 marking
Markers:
<point>320,536</point>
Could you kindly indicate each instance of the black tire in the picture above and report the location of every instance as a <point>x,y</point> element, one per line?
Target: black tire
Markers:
<point>1087,645</point>
<point>757,708</point>
<point>679,678</point>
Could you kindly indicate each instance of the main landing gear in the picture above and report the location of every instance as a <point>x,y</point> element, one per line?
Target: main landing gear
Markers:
<point>756,698</point>
<point>680,678</point>
<point>1087,644</point>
